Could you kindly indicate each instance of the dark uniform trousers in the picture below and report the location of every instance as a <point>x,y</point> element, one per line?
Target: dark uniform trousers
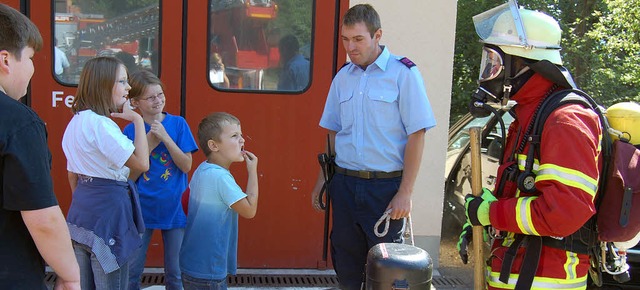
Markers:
<point>358,204</point>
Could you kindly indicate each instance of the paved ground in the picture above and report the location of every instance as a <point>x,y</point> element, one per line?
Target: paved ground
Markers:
<point>451,266</point>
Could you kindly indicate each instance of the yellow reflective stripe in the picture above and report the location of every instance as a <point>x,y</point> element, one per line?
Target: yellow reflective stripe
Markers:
<point>522,161</point>
<point>523,215</point>
<point>569,177</point>
<point>508,240</point>
<point>539,283</point>
<point>571,264</point>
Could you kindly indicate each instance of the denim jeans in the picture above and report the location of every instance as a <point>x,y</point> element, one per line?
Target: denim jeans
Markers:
<point>172,240</point>
<point>91,274</point>
<point>191,283</point>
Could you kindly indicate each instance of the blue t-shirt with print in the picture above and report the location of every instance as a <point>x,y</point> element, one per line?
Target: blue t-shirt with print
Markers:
<point>162,186</point>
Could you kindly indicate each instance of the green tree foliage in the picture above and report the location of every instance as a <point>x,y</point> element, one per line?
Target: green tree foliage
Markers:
<point>615,73</point>
<point>600,40</point>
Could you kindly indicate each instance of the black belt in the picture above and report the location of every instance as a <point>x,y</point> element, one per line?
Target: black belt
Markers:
<point>368,174</point>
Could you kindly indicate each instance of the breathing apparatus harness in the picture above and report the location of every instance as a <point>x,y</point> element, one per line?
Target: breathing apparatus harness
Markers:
<point>603,257</point>
<point>561,78</point>
<point>582,241</point>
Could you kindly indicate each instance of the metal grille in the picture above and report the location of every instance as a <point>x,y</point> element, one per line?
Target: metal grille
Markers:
<point>283,280</point>
<point>149,279</point>
<point>246,280</point>
<point>447,282</point>
<point>50,278</point>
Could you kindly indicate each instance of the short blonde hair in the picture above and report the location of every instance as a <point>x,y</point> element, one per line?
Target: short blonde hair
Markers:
<point>210,128</point>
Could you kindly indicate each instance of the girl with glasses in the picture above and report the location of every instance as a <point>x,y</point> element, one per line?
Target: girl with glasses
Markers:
<point>171,145</point>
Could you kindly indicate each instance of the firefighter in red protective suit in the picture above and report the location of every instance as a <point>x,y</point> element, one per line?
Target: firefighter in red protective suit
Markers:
<point>533,214</point>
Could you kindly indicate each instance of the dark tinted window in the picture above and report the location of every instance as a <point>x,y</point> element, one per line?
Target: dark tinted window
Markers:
<point>260,44</point>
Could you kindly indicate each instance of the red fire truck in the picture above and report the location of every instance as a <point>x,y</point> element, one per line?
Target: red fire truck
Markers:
<point>281,127</point>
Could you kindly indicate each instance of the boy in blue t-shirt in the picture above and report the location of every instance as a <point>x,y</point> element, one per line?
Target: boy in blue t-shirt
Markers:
<point>210,246</point>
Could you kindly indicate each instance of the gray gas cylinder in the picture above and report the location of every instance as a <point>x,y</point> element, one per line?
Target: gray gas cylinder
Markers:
<point>398,266</point>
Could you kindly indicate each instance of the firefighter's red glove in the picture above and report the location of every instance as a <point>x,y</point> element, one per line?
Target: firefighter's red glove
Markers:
<point>477,208</point>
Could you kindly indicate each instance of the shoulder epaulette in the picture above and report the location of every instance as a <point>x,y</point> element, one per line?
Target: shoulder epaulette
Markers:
<point>407,62</point>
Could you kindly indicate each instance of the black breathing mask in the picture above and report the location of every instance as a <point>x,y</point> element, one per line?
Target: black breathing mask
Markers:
<point>495,83</point>
<point>485,93</point>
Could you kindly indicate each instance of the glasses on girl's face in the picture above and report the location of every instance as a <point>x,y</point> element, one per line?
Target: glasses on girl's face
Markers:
<point>152,98</point>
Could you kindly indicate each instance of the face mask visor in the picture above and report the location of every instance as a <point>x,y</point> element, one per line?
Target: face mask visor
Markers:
<point>491,64</point>
<point>501,25</point>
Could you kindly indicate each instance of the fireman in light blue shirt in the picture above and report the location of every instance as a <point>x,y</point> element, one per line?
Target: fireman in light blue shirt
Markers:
<point>377,113</point>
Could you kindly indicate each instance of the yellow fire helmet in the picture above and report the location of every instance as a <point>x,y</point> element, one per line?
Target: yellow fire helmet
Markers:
<point>521,32</point>
<point>625,118</point>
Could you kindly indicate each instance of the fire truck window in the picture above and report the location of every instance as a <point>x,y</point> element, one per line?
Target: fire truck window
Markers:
<point>85,29</point>
<point>260,44</point>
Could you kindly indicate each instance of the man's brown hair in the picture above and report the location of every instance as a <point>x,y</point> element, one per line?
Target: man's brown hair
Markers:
<point>362,13</point>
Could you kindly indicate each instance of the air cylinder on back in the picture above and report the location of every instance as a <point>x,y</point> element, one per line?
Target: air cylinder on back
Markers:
<point>398,266</point>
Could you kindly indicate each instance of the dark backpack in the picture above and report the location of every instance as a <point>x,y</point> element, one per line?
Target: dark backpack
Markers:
<point>617,201</point>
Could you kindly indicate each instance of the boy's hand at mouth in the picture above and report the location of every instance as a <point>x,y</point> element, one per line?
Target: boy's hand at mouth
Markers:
<point>251,160</point>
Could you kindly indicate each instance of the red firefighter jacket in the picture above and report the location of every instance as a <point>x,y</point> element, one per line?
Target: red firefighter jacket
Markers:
<point>566,181</point>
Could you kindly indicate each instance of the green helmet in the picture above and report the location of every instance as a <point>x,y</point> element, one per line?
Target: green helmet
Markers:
<point>520,32</point>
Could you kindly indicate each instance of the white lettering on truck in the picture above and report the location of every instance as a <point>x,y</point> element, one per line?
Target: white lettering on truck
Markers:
<point>56,96</point>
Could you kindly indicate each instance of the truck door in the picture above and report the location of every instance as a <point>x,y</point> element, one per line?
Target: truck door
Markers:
<point>216,55</point>
<point>279,109</point>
